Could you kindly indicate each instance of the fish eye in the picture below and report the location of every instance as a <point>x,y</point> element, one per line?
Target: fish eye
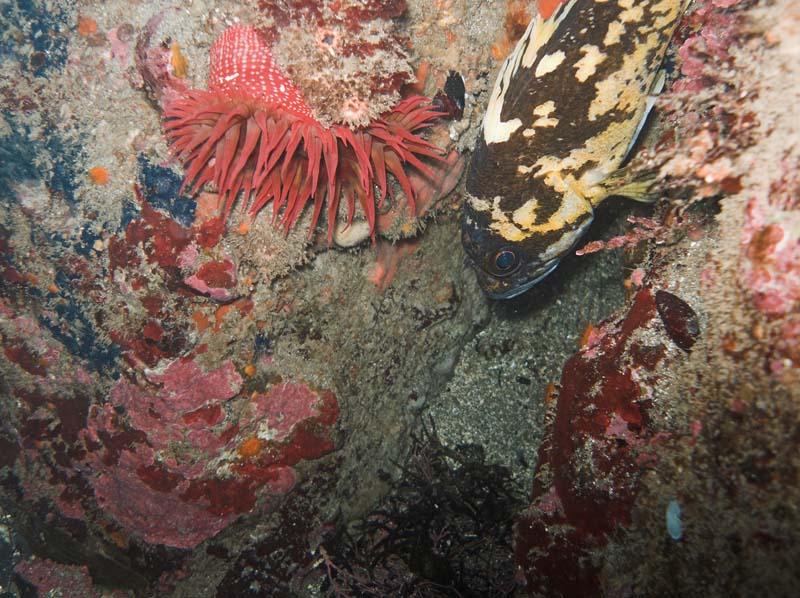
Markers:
<point>505,261</point>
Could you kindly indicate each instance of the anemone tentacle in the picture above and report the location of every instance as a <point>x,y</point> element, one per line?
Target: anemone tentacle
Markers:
<point>261,144</point>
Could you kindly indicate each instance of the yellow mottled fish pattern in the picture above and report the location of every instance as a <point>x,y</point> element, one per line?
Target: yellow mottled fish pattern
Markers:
<point>566,107</point>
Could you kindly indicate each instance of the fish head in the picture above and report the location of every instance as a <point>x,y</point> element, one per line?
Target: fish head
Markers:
<point>508,257</point>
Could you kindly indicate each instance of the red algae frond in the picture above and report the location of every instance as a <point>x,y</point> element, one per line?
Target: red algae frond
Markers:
<point>253,133</point>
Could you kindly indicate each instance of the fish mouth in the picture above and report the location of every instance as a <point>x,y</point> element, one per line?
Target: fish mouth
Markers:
<point>508,288</point>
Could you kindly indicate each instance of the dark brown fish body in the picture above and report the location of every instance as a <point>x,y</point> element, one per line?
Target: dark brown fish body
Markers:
<point>566,107</point>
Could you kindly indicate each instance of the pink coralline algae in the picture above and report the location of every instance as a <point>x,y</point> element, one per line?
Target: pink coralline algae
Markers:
<point>702,52</point>
<point>644,230</point>
<point>169,445</point>
<point>57,579</point>
<point>770,268</point>
<point>700,152</point>
<point>771,242</point>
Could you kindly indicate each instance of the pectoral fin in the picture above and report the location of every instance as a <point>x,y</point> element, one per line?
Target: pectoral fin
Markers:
<point>639,186</point>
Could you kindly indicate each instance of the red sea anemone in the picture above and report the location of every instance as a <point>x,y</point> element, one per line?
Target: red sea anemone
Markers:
<point>253,132</point>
